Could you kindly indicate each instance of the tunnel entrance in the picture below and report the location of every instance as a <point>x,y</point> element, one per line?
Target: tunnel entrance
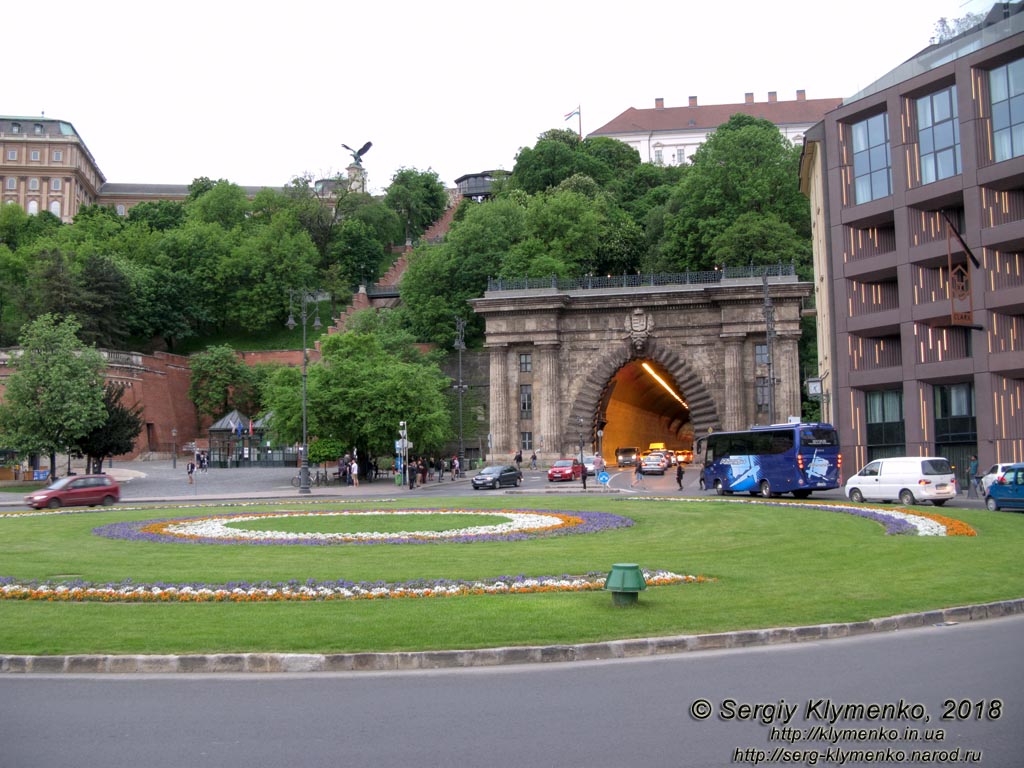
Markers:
<point>643,404</point>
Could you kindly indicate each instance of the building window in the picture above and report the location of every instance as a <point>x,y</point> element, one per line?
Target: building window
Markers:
<point>526,441</point>
<point>761,387</point>
<point>33,207</point>
<point>55,185</point>
<point>12,183</point>
<point>526,401</point>
<point>658,160</point>
<point>58,156</point>
<point>885,426</point>
<point>1006,86</point>
<point>12,154</point>
<point>34,155</point>
<point>15,127</point>
<point>33,184</point>
<point>680,156</point>
<point>872,164</point>
<point>761,354</point>
<point>525,363</point>
<point>55,208</point>
<point>954,413</point>
<point>938,135</point>
<point>120,209</point>
<point>37,129</point>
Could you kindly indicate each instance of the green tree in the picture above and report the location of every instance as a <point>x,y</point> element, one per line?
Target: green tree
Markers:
<point>225,204</point>
<point>160,215</point>
<point>744,166</point>
<point>116,435</point>
<point>760,238</point>
<point>418,197</point>
<point>54,397</point>
<point>221,382</point>
<point>357,394</point>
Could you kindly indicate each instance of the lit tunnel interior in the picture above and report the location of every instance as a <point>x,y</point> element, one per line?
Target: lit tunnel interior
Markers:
<point>641,404</point>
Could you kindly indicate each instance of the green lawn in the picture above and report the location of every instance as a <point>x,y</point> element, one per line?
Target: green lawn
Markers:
<point>775,566</point>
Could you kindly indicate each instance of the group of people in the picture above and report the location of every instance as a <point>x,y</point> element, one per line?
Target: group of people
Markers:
<point>348,471</point>
<point>421,470</point>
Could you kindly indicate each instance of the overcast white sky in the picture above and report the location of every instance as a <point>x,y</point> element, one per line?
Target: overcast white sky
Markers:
<point>259,92</point>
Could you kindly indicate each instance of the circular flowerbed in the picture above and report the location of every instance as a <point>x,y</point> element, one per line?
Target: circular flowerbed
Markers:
<point>514,525</point>
<point>896,521</point>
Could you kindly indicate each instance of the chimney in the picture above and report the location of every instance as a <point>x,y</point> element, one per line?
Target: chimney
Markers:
<point>801,95</point>
<point>693,101</point>
<point>659,103</point>
<point>772,97</point>
<point>748,98</point>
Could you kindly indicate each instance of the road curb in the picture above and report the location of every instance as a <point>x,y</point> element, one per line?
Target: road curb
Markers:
<point>492,657</point>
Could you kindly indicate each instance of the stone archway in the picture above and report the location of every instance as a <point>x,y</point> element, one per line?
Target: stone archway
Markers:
<point>553,348</point>
<point>587,402</point>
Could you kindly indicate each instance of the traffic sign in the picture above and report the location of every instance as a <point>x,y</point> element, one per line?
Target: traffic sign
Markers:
<point>603,478</point>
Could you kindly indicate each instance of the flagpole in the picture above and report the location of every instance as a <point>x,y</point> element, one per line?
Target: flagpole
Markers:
<point>579,114</point>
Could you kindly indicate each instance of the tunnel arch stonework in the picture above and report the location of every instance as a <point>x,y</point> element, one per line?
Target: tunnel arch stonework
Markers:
<point>566,345</point>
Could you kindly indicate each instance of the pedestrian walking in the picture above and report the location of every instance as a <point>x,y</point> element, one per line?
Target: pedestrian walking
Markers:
<point>679,475</point>
<point>190,470</point>
<point>455,467</point>
<point>533,460</point>
<point>638,476</point>
<point>410,473</point>
<point>354,470</point>
<point>972,474</point>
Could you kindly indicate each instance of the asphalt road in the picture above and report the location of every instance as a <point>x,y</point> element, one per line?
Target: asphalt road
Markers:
<point>160,481</point>
<point>636,712</point>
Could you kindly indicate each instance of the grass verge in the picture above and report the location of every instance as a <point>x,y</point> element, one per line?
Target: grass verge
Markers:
<point>775,566</point>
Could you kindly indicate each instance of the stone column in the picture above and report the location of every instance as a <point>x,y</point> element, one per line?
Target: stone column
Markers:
<point>787,368</point>
<point>499,400</point>
<point>730,395</point>
<point>546,397</point>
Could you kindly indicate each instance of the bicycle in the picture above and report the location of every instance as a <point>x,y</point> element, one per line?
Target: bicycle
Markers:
<point>317,478</point>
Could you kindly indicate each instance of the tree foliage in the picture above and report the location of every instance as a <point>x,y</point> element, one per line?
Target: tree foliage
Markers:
<point>54,397</point>
<point>221,383</point>
<point>418,197</point>
<point>116,435</point>
<point>357,394</point>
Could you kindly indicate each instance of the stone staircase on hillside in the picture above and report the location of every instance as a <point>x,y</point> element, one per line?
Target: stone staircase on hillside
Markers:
<point>379,296</point>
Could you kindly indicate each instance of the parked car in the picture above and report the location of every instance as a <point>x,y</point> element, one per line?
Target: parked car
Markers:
<point>684,456</point>
<point>497,476</point>
<point>994,474</point>
<point>1008,492</point>
<point>626,457</point>
<point>654,464</point>
<point>588,464</point>
<point>76,491</point>
<point>565,469</point>
<point>908,479</point>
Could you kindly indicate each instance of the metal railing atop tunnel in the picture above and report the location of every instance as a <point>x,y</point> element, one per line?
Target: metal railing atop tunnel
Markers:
<point>642,280</point>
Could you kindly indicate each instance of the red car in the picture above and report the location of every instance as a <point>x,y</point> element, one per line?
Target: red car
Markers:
<point>565,469</point>
<point>76,491</point>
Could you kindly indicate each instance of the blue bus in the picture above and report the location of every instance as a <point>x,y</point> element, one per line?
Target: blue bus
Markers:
<point>772,460</point>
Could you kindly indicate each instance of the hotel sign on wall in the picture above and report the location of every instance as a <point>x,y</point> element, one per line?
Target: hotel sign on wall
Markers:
<point>961,300</point>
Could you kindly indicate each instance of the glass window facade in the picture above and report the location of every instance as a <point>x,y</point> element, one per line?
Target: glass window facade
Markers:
<point>872,162</point>
<point>1006,89</point>
<point>525,363</point>
<point>938,135</point>
<point>761,354</point>
<point>885,425</point>
<point>526,441</point>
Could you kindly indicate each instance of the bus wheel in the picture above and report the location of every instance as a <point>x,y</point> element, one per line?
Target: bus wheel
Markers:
<point>803,493</point>
<point>766,489</point>
<point>718,488</point>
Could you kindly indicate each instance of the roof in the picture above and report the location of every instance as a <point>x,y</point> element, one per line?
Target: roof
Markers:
<point>709,117</point>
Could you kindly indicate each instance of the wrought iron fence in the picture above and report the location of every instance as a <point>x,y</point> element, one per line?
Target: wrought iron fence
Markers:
<point>641,280</point>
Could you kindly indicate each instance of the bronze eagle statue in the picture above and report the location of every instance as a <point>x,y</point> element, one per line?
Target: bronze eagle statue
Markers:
<point>357,155</point>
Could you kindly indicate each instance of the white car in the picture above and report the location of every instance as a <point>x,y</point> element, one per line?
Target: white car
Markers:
<point>993,475</point>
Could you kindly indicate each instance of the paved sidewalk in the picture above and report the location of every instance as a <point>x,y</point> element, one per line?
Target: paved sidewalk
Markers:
<point>160,481</point>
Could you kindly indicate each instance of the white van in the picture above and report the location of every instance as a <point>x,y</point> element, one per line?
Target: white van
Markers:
<point>907,479</point>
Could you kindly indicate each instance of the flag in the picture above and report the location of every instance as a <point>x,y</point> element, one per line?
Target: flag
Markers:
<point>573,113</point>
<point>250,426</point>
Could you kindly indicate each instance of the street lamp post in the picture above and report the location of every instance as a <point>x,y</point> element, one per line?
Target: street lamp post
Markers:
<point>306,298</point>
<point>579,423</point>
<point>174,447</point>
<point>460,345</point>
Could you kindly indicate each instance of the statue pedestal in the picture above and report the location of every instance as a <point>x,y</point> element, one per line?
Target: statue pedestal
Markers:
<point>356,178</point>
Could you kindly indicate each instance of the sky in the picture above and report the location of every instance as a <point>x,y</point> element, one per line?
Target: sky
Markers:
<point>260,92</point>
